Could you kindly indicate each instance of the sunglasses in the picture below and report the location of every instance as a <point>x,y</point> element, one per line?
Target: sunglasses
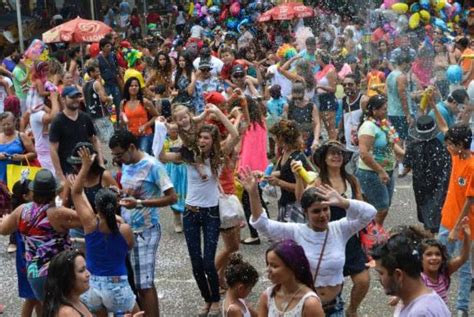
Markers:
<point>348,84</point>
<point>239,75</point>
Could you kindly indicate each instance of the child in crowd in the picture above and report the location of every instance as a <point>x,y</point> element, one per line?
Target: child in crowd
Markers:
<point>241,277</point>
<point>274,112</point>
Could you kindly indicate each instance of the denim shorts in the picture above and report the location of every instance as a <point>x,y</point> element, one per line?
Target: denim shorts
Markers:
<point>377,194</point>
<point>110,292</point>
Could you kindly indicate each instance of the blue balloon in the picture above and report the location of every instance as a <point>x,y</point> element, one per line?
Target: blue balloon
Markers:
<point>425,4</point>
<point>440,24</point>
<point>214,10</point>
<point>454,74</point>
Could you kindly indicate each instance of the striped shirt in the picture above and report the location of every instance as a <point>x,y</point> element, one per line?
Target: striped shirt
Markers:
<point>441,286</point>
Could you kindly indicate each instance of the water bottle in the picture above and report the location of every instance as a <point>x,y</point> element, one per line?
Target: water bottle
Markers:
<point>268,171</point>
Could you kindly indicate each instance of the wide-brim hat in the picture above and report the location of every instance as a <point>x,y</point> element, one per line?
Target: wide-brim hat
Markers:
<point>44,182</point>
<point>425,129</point>
<point>320,153</point>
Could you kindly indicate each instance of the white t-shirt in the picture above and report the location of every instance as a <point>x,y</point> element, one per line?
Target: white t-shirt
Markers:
<point>196,31</point>
<point>279,79</point>
<point>428,305</point>
<point>216,65</point>
<point>4,93</point>
<point>202,192</point>
<point>180,19</point>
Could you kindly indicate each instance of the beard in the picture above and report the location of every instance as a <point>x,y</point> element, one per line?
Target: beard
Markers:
<point>73,106</point>
<point>392,289</point>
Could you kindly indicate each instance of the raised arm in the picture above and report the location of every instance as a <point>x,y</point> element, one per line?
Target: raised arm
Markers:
<point>455,263</point>
<point>259,220</point>
<point>83,208</point>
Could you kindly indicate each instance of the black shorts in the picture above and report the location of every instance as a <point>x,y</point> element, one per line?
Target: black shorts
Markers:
<point>327,102</point>
<point>355,257</point>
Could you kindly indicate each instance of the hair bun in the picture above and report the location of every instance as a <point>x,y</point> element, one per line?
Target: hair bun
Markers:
<point>235,258</point>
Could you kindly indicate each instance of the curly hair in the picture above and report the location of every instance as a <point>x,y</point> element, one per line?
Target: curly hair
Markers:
<point>287,132</point>
<point>240,271</point>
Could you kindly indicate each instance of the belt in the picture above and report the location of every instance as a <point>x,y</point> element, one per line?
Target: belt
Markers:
<point>196,208</point>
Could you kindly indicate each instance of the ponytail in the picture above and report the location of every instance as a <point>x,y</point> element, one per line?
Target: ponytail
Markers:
<point>106,204</point>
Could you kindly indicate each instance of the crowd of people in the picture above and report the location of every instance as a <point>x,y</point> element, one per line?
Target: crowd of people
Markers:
<point>197,112</point>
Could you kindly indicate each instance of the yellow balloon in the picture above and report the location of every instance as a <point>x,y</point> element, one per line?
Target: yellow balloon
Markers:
<point>456,19</point>
<point>440,4</point>
<point>414,21</point>
<point>191,8</point>
<point>425,16</point>
<point>400,8</point>
<point>209,3</point>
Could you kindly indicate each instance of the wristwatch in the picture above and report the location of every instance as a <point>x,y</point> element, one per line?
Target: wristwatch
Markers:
<point>139,203</point>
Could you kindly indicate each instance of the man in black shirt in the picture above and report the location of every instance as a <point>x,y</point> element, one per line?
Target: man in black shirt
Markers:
<point>67,129</point>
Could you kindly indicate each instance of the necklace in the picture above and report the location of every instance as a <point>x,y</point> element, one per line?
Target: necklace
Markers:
<point>282,314</point>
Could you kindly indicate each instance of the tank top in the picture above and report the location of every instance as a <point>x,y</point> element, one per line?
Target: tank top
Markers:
<point>245,313</point>
<point>42,241</point>
<point>303,116</point>
<point>106,253</point>
<point>394,102</point>
<point>136,118</point>
<point>92,100</point>
<point>92,191</point>
<point>13,147</point>
<point>441,286</point>
<point>297,311</point>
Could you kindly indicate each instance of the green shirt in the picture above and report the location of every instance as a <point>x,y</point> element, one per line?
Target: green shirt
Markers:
<point>19,75</point>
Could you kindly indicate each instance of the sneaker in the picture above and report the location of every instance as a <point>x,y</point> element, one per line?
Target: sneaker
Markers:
<point>250,241</point>
<point>178,228</point>
<point>461,313</point>
<point>11,248</point>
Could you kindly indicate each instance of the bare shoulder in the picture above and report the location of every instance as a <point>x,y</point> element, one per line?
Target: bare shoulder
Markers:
<point>67,311</point>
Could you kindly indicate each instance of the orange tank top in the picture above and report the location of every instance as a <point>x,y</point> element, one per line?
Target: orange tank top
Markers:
<point>136,118</point>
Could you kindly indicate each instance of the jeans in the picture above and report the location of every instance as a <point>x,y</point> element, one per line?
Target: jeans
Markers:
<point>114,90</point>
<point>464,288</point>
<point>145,143</point>
<point>204,268</point>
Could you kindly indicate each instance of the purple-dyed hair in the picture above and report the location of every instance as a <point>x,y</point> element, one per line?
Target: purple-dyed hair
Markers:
<point>292,254</point>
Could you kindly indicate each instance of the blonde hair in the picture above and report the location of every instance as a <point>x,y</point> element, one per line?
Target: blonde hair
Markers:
<point>188,137</point>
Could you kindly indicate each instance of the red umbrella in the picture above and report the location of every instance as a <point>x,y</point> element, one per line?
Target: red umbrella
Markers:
<point>77,31</point>
<point>287,11</point>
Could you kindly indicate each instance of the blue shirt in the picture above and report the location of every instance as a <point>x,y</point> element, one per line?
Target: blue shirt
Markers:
<point>447,115</point>
<point>275,110</point>
<point>144,180</point>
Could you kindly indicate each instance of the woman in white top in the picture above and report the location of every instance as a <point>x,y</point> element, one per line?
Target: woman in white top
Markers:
<point>323,241</point>
<point>292,293</point>
<point>202,205</point>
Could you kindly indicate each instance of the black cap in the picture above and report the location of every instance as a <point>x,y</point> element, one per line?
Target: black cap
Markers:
<point>238,69</point>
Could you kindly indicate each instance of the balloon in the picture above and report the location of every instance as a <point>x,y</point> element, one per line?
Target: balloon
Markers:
<point>235,9</point>
<point>224,14</point>
<point>377,35</point>
<point>425,4</point>
<point>209,3</point>
<point>388,3</point>
<point>440,4</point>
<point>454,74</point>
<point>440,24</point>
<point>214,10</point>
<point>94,49</point>
<point>191,8</point>
<point>400,8</point>
<point>443,15</point>
<point>414,20</point>
<point>458,8</point>
<point>415,7</point>
<point>204,10</point>
<point>402,22</point>
<point>425,16</point>
<point>244,21</point>
<point>456,19</point>
<point>232,23</point>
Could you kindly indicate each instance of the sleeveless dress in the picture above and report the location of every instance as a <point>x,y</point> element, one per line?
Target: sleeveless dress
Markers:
<point>297,311</point>
<point>13,147</point>
<point>177,173</point>
<point>245,313</point>
<point>42,241</point>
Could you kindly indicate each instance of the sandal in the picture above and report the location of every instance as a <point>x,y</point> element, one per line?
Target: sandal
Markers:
<point>251,241</point>
<point>204,310</point>
<point>214,310</point>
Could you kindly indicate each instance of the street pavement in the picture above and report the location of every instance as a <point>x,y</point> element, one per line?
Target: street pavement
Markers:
<point>177,291</point>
